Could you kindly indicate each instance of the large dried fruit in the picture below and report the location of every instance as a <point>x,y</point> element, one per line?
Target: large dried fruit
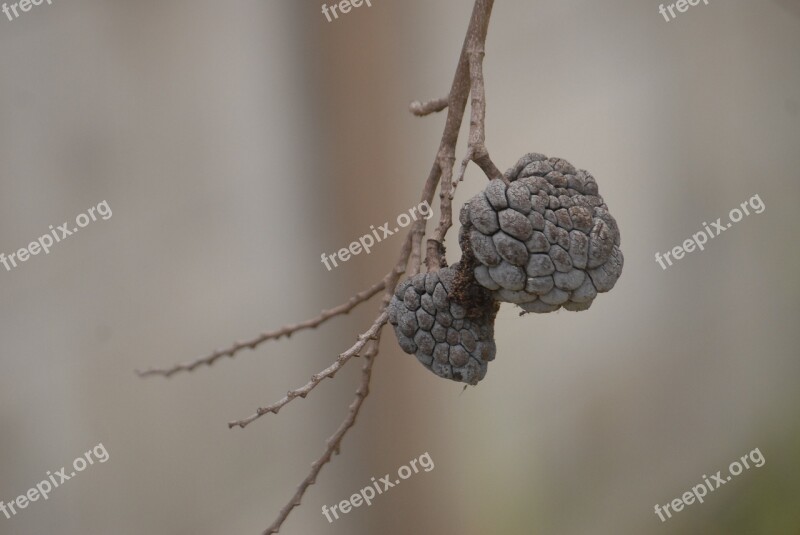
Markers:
<point>545,241</point>
<point>447,321</point>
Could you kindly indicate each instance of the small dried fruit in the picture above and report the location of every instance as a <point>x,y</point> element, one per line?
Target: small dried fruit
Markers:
<point>447,320</point>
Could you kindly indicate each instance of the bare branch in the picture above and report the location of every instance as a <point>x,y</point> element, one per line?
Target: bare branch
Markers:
<point>409,258</point>
<point>334,443</point>
<point>468,78</point>
<point>287,331</point>
<point>421,109</point>
<point>317,378</point>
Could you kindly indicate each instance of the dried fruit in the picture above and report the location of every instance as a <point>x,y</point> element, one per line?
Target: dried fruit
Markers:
<point>447,321</point>
<point>545,241</point>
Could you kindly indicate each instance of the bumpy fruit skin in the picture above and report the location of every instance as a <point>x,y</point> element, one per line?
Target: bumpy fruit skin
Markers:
<point>546,241</point>
<point>447,321</point>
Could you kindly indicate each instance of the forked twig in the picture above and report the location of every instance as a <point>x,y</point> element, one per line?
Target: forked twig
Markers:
<point>317,378</point>
<point>476,149</point>
<point>465,81</point>
<point>334,443</point>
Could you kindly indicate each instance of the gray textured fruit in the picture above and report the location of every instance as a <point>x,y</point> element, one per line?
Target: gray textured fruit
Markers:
<point>446,320</point>
<point>545,241</point>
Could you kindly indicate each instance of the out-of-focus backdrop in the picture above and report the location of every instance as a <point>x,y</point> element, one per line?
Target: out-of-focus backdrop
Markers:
<point>237,142</point>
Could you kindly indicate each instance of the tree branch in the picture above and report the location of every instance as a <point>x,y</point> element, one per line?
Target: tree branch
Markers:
<point>409,259</point>
<point>459,94</point>
<point>468,79</point>
<point>287,331</point>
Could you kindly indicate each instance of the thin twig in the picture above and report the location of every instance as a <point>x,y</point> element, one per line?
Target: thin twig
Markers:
<point>477,134</point>
<point>334,443</point>
<point>459,94</point>
<point>287,331</point>
<point>463,168</point>
<point>476,150</point>
<point>317,378</point>
<point>421,109</point>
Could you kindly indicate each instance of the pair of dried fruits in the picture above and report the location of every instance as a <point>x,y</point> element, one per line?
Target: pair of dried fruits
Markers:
<point>544,241</point>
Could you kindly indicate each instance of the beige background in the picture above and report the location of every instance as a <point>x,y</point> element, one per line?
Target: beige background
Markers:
<point>236,142</point>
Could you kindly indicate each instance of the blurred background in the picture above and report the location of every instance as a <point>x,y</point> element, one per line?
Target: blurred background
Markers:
<point>237,142</point>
